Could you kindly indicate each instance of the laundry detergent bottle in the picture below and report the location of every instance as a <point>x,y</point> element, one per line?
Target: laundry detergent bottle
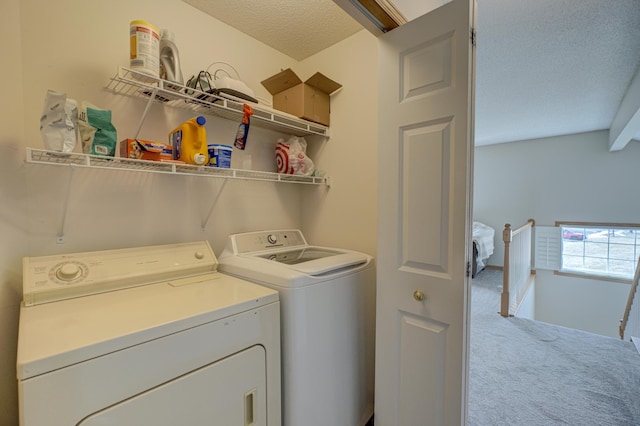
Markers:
<point>170,61</point>
<point>189,142</point>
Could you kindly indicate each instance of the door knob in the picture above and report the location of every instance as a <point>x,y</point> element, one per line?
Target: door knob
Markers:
<point>418,295</point>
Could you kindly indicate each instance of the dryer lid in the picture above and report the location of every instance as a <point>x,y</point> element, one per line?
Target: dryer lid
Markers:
<point>66,332</point>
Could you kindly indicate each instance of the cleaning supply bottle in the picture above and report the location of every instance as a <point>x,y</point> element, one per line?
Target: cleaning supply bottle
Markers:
<point>144,48</point>
<point>189,142</point>
<point>170,61</point>
<point>243,128</point>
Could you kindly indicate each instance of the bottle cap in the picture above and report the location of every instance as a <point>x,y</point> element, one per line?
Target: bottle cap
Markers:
<point>166,34</point>
<point>199,159</point>
<point>201,120</point>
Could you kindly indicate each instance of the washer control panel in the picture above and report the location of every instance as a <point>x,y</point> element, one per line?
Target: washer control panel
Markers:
<point>264,240</point>
<point>58,277</point>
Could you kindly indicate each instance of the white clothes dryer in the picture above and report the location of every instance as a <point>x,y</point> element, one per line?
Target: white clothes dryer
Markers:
<point>327,301</point>
<point>146,336</point>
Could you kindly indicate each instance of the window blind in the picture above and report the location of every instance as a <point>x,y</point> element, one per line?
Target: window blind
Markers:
<point>548,247</point>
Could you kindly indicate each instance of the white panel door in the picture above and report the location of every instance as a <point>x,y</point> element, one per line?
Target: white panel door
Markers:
<point>425,168</point>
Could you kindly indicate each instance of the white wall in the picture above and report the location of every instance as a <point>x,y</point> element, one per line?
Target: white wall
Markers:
<point>75,46</point>
<point>567,178</point>
<point>347,216</point>
<point>13,228</point>
<point>583,304</point>
<point>527,307</point>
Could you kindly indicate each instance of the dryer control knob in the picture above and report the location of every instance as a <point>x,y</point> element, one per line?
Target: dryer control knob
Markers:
<point>272,239</point>
<point>68,272</point>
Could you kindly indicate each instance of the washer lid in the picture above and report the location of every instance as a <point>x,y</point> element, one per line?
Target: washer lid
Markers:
<point>316,261</point>
<point>283,258</point>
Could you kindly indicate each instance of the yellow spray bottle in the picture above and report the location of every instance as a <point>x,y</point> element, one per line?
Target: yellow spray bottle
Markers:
<point>189,142</point>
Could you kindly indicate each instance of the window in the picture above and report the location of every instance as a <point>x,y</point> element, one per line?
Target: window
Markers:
<point>604,250</point>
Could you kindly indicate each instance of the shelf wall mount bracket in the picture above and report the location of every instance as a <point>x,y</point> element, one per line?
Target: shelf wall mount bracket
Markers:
<point>213,205</point>
<point>65,206</point>
<point>154,92</point>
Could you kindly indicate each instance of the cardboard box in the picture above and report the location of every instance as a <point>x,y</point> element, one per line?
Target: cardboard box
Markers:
<point>308,100</point>
<point>138,149</point>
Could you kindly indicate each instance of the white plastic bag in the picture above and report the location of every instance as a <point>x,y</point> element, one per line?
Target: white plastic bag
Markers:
<point>483,237</point>
<point>291,157</point>
<point>59,122</point>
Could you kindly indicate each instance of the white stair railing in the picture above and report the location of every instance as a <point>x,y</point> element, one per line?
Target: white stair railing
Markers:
<point>517,276</point>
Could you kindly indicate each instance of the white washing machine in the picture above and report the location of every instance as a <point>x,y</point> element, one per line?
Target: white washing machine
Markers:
<point>327,301</point>
<point>146,336</point>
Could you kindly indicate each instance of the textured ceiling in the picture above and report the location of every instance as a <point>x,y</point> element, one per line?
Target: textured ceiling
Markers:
<point>544,67</point>
<point>297,28</point>
<point>552,67</point>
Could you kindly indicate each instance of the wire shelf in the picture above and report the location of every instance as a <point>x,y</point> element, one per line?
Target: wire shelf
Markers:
<point>39,156</point>
<point>137,85</point>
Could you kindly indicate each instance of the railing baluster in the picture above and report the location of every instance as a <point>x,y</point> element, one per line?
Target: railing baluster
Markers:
<point>504,300</point>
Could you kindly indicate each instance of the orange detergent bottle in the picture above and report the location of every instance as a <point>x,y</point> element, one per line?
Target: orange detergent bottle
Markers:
<point>189,142</point>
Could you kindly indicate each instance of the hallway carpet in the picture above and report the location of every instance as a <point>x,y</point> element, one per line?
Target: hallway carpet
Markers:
<point>529,373</point>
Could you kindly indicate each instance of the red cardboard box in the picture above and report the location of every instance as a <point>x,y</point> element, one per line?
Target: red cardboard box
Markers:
<point>139,149</point>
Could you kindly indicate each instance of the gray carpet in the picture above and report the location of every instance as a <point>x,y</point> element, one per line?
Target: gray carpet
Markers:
<point>531,373</point>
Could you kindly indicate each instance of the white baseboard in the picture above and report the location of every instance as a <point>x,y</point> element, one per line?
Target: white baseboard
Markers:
<point>636,341</point>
